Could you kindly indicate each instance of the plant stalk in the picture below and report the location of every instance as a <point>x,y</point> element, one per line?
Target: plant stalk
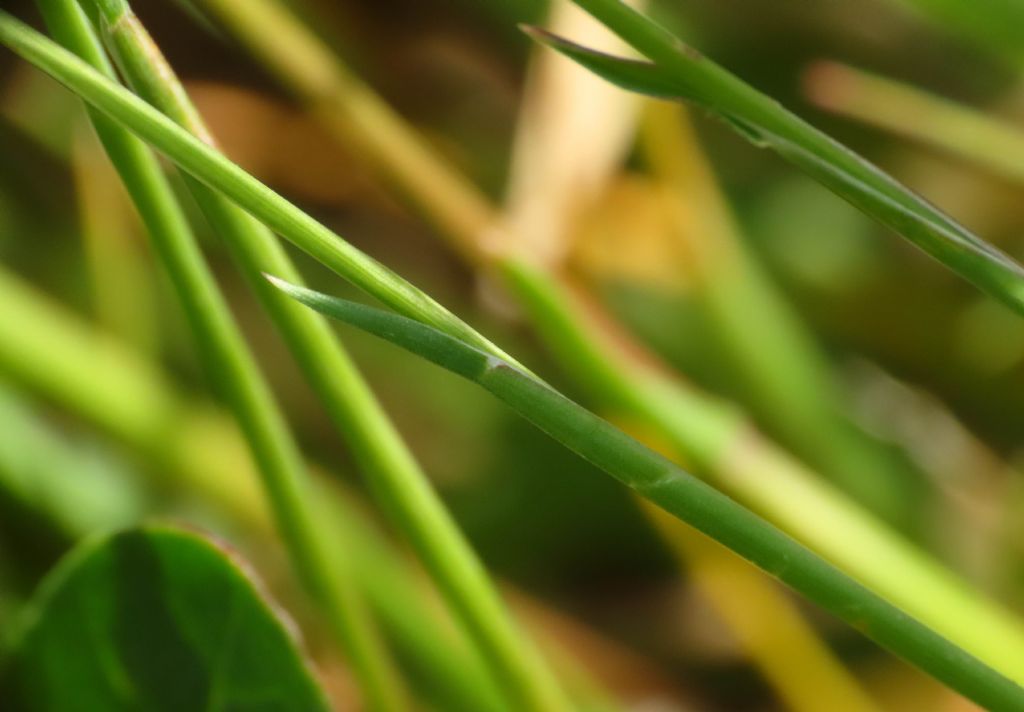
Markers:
<point>212,168</point>
<point>720,443</point>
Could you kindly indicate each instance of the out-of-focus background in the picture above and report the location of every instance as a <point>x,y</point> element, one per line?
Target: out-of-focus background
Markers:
<point>928,371</point>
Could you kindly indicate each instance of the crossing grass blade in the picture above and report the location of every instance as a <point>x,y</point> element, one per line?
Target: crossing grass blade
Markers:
<point>233,367</point>
<point>678,72</point>
<point>212,168</point>
<point>684,496</point>
<point>400,485</point>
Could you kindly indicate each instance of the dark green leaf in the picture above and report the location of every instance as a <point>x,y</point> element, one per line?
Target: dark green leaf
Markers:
<point>155,619</point>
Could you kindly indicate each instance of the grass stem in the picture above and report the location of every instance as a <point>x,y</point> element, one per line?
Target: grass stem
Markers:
<point>679,72</point>
<point>232,367</point>
<point>687,498</point>
<point>197,452</point>
<point>392,471</point>
<point>718,442</point>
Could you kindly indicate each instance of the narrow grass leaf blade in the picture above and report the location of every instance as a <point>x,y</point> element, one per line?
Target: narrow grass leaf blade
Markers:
<point>685,497</point>
<point>212,168</point>
<point>765,123</point>
<point>400,485</point>
<point>635,75</point>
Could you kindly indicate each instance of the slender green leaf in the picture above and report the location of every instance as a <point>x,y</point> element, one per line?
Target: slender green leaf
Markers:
<point>233,368</point>
<point>395,478</point>
<point>686,497</point>
<point>212,168</point>
<point>155,619</point>
<point>195,452</point>
<point>677,71</point>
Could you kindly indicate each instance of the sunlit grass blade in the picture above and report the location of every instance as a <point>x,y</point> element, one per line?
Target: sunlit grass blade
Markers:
<point>232,367</point>
<point>561,158</point>
<point>684,496</point>
<point>960,130</point>
<point>676,71</point>
<point>213,169</point>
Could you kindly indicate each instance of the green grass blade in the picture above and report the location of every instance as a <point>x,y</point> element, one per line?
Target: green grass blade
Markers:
<point>232,367</point>
<point>775,357</point>
<point>216,171</point>
<point>698,427</point>
<point>722,445</point>
<point>684,496</point>
<point>399,483</point>
<point>197,453</point>
<point>677,71</point>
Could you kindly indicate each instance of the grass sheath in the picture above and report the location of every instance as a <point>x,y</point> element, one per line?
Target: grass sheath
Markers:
<point>685,497</point>
<point>392,471</point>
<point>677,71</point>
<point>232,367</point>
